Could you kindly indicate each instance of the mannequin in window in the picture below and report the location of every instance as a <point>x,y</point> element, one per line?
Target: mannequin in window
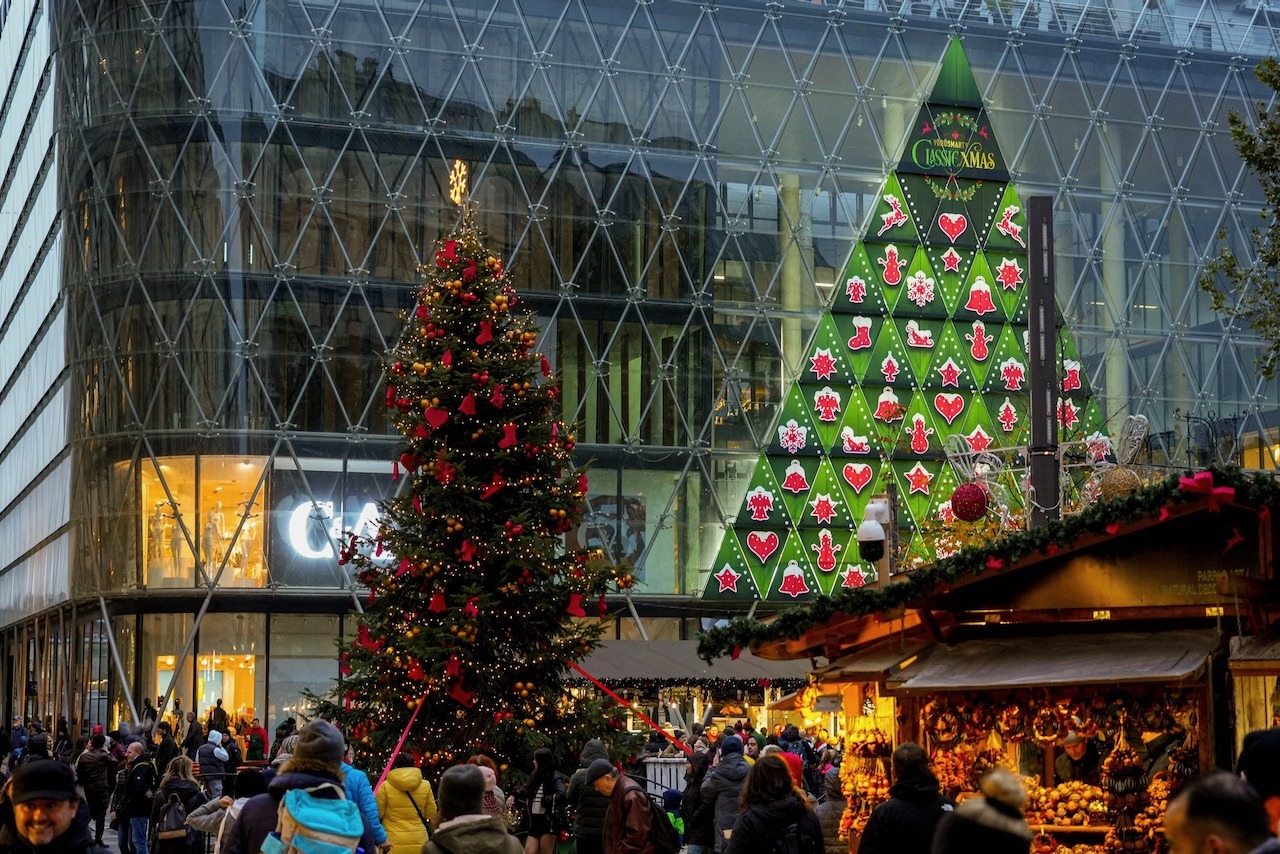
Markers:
<point>175,550</point>
<point>246,549</point>
<point>155,535</point>
<point>212,542</point>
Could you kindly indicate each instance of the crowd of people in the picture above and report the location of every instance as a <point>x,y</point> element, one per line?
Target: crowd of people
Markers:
<point>744,793</point>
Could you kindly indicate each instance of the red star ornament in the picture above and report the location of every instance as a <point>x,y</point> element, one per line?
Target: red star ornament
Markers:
<point>1068,414</point>
<point>978,440</point>
<point>853,578</point>
<point>951,260</point>
<point>950,373</point>
<point>824,509</point>
<point>728,579</point>
<point>453,667</point>
<point>919,478</point>
<point>1009,274</point>
<point>822,363</point>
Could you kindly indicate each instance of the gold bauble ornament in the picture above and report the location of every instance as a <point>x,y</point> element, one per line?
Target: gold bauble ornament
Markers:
<point>1118,481</point>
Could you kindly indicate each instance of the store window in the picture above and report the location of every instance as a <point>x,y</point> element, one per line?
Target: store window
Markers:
<point>204,520</point>
<point>163,638</point>
<point>230,667</point>
<point>304,660</point>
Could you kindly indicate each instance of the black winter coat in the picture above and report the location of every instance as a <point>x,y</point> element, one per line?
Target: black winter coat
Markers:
<point>829,813</point>
<point>905,823</point>
<point>760,826</point>
<point>259,814</point>
<point>77,840</point>
<point>722,787</point>
<point>699,815</point>
<point>191,796</point>
<point>588,805</point>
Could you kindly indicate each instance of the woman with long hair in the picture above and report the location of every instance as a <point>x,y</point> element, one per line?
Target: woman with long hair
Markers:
<point>543,797</point>
<point>699,813</point>
<point>772,808</point>
<point>179,781</point>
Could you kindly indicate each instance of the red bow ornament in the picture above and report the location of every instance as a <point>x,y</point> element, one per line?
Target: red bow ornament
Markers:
<point>1202,484</point>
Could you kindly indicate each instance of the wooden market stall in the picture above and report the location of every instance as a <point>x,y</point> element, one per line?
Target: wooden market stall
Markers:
<point>1117,632</point>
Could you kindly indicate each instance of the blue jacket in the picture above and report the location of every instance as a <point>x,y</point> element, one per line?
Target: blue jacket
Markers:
<point>360,791</point>
<point>259,815</point>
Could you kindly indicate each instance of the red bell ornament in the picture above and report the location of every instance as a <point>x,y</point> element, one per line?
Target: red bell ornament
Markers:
<point>969,502</point>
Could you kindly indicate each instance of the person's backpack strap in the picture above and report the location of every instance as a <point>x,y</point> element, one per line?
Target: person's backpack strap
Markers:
<point>421,817</point>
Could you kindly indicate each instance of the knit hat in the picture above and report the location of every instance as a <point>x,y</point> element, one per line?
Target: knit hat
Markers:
<point>795,765</point>
<point>320,741</point>
<point>97,729</point>
<point>1259,762</point>
<point>597,769</point>
<point>731,746</point>
<point>52,780</point>
<point>215,737</point>
<point>461,792</point>
<point>993,824</point>
<point>490,778</point>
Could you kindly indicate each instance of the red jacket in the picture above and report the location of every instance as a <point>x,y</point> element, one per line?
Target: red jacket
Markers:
<point>628,825</point>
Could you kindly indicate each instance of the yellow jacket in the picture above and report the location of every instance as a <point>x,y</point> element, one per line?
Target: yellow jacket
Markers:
<point>405,830</point>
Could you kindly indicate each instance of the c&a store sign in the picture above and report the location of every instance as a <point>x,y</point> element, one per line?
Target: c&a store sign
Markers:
<point>955,142</point>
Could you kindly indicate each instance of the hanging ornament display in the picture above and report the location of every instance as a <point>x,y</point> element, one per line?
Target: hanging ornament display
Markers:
<point>969,502</point>
<point>1120,478</point>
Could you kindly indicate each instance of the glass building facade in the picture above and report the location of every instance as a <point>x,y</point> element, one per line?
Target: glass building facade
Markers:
<point>213,213</point>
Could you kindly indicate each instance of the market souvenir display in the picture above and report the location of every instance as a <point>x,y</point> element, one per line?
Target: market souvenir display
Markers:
<point>1071,804</point>
<point>864,774</point>
<point>952,770</point>
<point>991,756</point>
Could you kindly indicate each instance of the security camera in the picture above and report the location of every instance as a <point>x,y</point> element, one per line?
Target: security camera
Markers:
<point>871,534</point>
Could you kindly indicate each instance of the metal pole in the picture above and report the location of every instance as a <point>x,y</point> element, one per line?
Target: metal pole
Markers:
<point>115,656</point>
<point>1043,388</point>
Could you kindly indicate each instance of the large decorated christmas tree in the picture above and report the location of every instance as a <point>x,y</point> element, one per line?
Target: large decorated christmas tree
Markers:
<point>926,337</point>
<point>474,608</point>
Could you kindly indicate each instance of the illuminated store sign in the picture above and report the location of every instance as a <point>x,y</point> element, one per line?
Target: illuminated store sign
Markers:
<point>307,518</point>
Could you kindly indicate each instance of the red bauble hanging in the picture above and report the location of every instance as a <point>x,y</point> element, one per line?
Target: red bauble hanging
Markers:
<point>969,502</point>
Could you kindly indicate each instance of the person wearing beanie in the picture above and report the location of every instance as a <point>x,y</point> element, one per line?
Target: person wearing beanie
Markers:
<point>771,807</point>
<point>722,787</point>
<point>1079,760</point>
<point>628,826</point>
<point>212,759</point>
<point>406,806</point>
<point>316,760</point>
<point>464,826</point>
<point>829,812</point>
<point>993,823</point>
<point>1259,765</point>
<point>905,823</point>
<point>588,805</point>
<point>1221,813</point>
<point>795,765</point>
<point>44,801</point>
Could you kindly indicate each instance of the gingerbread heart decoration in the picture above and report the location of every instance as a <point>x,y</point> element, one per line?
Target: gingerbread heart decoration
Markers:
<point>949,406</point>
<point>857,475</point>
<point>952,225</point>
<point>762,544</point>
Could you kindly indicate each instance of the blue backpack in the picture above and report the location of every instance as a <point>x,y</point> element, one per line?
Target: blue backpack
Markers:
<point>319,820</point>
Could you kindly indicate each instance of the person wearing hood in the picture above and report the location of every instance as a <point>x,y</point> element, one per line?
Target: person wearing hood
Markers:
<point>699,813</point>
<point>722,787</point>
<point>829,812</point>
<point>406,806</point>
<point>41,816</point>
<point>464,826</point>
<point>359,790</point>
<point>905,823</point>
<point>316,760</point>
<point>993,823</point>
<point>212,758</point>
<point>770,807</point>
<point>178,781</point>
<point>587,804</point>
<point>37,745</point>
<point>218,816</point>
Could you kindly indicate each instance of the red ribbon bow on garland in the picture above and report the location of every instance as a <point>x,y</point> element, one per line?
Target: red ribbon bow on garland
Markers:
<point>1202,484</point>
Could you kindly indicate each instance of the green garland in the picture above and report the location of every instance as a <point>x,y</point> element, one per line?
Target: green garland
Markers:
<point>943,192</point>
<point>1256,490</point>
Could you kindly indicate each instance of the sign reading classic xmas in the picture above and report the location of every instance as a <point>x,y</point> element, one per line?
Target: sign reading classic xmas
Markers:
<point>955,142</point>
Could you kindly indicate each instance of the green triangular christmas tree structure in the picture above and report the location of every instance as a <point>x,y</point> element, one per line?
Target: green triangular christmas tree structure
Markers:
<point>926,337</point>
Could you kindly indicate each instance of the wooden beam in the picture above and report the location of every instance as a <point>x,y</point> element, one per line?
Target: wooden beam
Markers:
<point>1144,613</point>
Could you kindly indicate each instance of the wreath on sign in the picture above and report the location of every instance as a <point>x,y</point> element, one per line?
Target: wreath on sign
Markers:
<point>944,192</point>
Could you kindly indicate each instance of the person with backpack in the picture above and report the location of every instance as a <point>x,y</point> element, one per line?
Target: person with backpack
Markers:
<point>774,818</point>
<point>544,800</point>
<point>464,826</point>
<point>135,795</point>
<point>42,813</point>
<point>406,806</point>
<point>218,818</point>
<point>722,786</point>
<point>213,763</point>
<point>255,742</point>
<point>314,767</point>
<point>629,824</point>
<point>96,769</point>
<point>699,813</point>
<point>179,796</point>
<point>588,805</point>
